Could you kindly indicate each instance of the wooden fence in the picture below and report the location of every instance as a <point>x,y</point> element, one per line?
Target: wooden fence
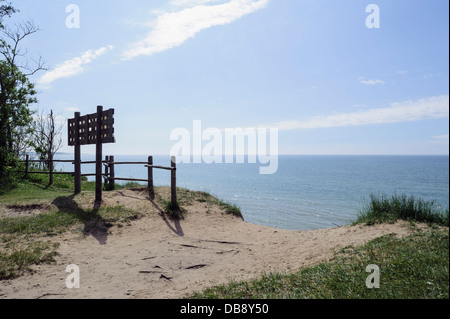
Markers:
<point>110,177</point>
<point>109,174</point>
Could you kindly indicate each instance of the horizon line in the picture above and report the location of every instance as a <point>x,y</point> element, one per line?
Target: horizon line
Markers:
<point>309,154</point>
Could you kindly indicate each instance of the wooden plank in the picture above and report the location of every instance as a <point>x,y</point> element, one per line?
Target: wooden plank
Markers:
<point>88,128</point>
<point>106,175</point>
<point>112,172</point>
<point>127,163</point>
<point>54,173</point>
<point>161,167</point>
<point>91,129</point>
<point>151,191</point>
<point>71,131</point>
<point>50,168</point>
<point>89,162</point>
<point>98,157</point>
<point>77,155</point>
<point>173,181</point>
<point>129,179</point>
<point>26,166</point>
<point>40,161</point>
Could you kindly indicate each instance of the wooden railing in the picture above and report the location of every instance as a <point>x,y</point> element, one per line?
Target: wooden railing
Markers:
<point>109,175</point>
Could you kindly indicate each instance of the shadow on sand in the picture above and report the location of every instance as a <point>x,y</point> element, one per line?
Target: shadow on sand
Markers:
<point>176,228</point>
<point>94,224</point>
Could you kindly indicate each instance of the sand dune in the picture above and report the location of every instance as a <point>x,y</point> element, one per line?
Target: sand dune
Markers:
<point>156,257</point>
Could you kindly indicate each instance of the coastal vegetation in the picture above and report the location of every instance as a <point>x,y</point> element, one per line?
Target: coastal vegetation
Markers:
<point>387,209</point>
<point>23,237</point>
<point>413,267</point>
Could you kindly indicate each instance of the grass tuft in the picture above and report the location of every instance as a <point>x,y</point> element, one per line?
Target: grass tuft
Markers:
<point>17,261</point>
<point>231,209</point>
<point>174,210</point>
<point>388,209</point>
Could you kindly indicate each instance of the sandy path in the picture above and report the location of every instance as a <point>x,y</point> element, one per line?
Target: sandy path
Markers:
<point>159,258</point>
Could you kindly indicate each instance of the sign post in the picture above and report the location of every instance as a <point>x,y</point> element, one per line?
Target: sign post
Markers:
<point>96,128</point>
<point>98,156</point>
<point>77,151</point>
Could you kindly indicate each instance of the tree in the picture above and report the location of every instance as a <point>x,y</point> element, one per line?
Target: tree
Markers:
<point>16,90</point>
<point>47,138</point>
<point>5,10</point>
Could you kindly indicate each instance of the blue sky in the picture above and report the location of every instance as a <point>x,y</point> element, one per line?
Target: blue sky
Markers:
<point>310,68</point>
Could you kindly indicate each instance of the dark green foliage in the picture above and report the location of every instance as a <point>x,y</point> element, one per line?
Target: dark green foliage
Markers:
<point>17,93</point>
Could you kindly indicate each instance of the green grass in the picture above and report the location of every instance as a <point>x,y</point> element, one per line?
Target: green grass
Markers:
<point>174,210</point>
<point>410,268</point>
<point>17,261</point>
<point>58,221</point>
<point>231,209</point>
<point>30,192</point>
<point>186,197</point>
<point>46,223</point>
<point>65,214</point>
<point>204,197</point>
<point>21,243</point>
<point>388,209</point>
<point>413,267</point>
<point>66,182</point>
<point>23,231</point>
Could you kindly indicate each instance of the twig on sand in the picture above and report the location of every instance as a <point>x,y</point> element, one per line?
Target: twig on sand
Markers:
<point>49,294</point>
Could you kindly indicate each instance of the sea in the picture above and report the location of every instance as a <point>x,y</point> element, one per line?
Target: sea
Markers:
<point>307,192</point>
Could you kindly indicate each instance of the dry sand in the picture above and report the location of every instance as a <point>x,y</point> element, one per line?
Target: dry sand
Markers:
<point>156,257</point>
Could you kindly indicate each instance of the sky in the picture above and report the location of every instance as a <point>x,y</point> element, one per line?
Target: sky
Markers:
<point>316,70</point>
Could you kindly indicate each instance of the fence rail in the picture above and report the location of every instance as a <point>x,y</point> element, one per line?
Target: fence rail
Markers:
<point>110,177</point>
<point>27,161</point>
<point>40,161</point>
<point>109,174</point>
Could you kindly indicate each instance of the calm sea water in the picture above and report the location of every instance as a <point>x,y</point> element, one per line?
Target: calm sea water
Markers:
<point>307,192</point>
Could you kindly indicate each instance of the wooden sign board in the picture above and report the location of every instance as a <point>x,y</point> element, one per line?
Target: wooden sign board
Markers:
<point>87,132</point>
<point>96,128</point>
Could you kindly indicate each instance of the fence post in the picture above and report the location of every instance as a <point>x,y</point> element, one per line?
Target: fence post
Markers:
<point>98,156</point>
<point>111,172</point>
<point>50,168</point>
<point>151,191</point>
<point>107,181</point>
<point>77,159</point>
<point>173,180</point>
<point>26,165</point>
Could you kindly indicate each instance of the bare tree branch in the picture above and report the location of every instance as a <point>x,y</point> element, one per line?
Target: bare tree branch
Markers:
<point>11,50</point>
<point>48,134</point>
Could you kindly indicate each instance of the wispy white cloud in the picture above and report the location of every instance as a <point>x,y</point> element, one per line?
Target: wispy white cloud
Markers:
<point>441,137</point>
<point>371,82</point>
<point>431,75</point>
<point>172,29</point>
<point>187,3</point>
<point>72,67</point>
<point>409,111</point>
